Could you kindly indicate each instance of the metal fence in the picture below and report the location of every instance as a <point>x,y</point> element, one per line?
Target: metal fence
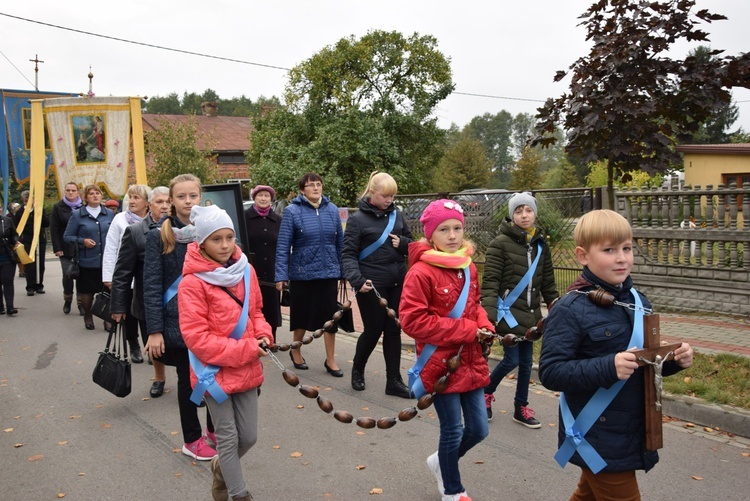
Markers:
<point>484,210</point>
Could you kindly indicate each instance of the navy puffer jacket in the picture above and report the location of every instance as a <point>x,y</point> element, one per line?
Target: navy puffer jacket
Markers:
<point>159,273</point>
<point>580,342</point>
<point>310,242</point>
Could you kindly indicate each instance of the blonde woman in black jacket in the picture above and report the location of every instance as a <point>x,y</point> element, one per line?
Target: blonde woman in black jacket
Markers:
<point>376,244</point>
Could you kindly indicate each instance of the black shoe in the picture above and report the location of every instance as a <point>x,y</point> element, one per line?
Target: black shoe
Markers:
<point>81,311</point>
<point>12,311</point>
<point>30,293</point>
<point>358,379</point>
<point>525,416</point>
<point>66,307</point>
<point>157,389</point>
<point>40,290</point>
<point>303,366</point>
<point>332,372</point>
<point>135,355</point>
<point>395,386</point>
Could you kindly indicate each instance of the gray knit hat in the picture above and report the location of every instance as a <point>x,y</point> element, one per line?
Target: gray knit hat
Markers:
<point>519,199</point>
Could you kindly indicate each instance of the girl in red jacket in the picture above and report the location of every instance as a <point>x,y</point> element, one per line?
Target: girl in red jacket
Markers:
<point>223,326</point>
<point>440,310</point>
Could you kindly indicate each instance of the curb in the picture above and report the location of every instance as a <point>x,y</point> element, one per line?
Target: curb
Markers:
<point>719,417</point>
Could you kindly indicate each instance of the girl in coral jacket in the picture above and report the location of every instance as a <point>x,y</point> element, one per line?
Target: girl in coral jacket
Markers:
<point>440,310</point>
<point>219,285</point>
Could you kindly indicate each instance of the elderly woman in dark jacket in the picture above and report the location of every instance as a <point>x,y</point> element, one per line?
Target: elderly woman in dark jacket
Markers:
<point>263,225</point>
<point>66,251</point>
<point>375,248</point>
<point>88,228</point>
<point>308,259</point>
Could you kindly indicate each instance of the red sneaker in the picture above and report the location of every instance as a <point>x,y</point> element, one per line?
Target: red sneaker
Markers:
<point>199,450</point>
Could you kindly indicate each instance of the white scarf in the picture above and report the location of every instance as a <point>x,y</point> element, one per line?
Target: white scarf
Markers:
<point>225,276</point>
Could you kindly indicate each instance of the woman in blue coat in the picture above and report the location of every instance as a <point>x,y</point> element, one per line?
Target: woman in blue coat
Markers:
<point>308,260</point>
<point>88,227</point>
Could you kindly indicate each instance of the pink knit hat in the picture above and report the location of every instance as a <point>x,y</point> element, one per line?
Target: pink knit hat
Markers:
<point>262,187</point>
<point>439,211</point>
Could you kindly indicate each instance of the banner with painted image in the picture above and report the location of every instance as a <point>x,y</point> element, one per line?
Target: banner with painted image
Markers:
<point>17,117</point>
<point>90,140</point>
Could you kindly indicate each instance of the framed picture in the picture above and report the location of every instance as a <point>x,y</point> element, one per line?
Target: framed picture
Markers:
<point>228,197</point>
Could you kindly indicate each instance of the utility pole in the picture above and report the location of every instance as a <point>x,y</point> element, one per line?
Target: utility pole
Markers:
<point>36,62</point>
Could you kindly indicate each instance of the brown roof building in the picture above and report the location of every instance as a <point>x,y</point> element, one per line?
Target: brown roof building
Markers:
<point>231,135</point>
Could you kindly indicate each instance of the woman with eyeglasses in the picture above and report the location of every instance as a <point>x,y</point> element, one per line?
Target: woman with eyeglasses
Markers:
<point>308,260</point>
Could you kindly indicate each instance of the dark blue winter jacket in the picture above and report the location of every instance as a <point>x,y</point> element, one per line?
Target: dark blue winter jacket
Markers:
<point>83,225</point>
<point>310,242</point>
<point>580,342</point>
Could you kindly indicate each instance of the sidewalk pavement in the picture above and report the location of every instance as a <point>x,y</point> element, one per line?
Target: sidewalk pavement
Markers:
<point>706,334</point>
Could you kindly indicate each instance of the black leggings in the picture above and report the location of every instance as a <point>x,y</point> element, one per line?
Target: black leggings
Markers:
<point>376,322</point>
<point>191,425</point>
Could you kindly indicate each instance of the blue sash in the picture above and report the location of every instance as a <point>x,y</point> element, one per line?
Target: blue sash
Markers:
<point>576,428</point>
<point>415,381</point>
<point>380,241</point>
<point>503,305</point>
<point>206,374</point>
<point>171,292</point>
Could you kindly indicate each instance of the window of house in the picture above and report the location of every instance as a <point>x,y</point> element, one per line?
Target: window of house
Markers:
<point>231,158</point>
<point>737,179</point>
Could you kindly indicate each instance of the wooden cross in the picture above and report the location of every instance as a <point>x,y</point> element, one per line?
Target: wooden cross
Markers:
<point>652,356</point>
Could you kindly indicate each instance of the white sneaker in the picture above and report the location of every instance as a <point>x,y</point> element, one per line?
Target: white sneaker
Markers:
<point>433,463</point>
<point>461,496</point>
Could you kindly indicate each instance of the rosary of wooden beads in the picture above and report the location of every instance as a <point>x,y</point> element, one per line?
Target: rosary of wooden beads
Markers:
<point>326,405</point>
<point>601,297</point>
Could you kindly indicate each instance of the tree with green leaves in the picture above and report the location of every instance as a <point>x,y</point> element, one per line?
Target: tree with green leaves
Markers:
<point>173,149</point>
<point>354,107</point>
<point>525,175</point>
<point>628,102</point>
<point>494,131</point>
<point>463,166</point>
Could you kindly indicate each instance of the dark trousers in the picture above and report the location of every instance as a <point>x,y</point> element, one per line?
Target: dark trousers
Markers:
<point>32,284</point>
<point>131,329</point>
<point>376,322</point>
<point>67,282</point>
<point>7,274</point>
<point>191,425</point>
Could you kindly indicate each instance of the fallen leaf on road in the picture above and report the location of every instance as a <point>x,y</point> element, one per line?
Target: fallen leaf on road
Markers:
<point>696,477</point>
<point>37,457</point>
<point>296,454</point>
<point>174,432</point>
<point>17,445</point>
<point>62,443</point>
<point>106,425</point>
<point>510,376</point>
<point>478,461</point>
<point>552,425</point>
<point>178,474</point>
<point>538,392</point>
<point>277,447</point>
<point>360,433</point>
<point>176,450</point>
<point>75,416</point>
<point>8,430</point>
<point>689,425</point>
<point>60,494</point>
<point>376,490</point>
<point>300,406</point>
<point>365,408</point>
<point>745,454</point>
<point>359,467</point>
<point>82,474</point>
<point>707,429</point>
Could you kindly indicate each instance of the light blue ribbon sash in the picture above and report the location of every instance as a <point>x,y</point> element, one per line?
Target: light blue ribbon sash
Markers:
<point>415,381</point>
<point>503,305</point>
<point>380,241</point>
<point>171,292</point>
<point>576,428</point>
<point>206,374</point>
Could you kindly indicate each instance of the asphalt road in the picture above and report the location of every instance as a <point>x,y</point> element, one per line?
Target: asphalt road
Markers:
<point>65,436</point>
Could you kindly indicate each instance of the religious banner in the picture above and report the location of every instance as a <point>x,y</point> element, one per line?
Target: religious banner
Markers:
<point>17,119</point>
<point>90,140</point>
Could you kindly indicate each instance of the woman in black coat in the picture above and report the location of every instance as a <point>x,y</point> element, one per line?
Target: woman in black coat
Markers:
<point>8,242</point>
<point>263,233</point>
<point>374,258</point>
<point>66,251</point>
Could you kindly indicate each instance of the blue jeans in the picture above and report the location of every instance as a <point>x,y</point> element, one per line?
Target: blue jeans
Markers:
<point>456,438</point>
<point>518,356</point>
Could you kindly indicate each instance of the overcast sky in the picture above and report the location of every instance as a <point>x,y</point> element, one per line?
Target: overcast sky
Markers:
<point>508,49</point>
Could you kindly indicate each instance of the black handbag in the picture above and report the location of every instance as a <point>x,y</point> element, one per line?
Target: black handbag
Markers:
<point>286,300</point>
<point>72,267</point>
<point>112,371</point>
<point>100,308</point>
<point>346,323</point>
